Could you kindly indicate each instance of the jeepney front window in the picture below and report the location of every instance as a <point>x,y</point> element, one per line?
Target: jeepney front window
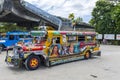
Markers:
<point>11,37</point>
<point>44,38</point>
<point>3,37</point>
<point>40,39</point>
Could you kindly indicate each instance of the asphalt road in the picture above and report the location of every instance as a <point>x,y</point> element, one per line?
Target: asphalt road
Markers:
<point>106,67</point>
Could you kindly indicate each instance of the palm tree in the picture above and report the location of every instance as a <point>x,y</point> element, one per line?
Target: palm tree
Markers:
<point>71,16</point>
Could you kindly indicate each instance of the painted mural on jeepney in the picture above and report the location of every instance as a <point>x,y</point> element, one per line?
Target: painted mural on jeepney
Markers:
<point>57,50</point>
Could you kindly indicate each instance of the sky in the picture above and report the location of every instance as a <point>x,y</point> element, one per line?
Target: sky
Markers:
<point>80,8</point>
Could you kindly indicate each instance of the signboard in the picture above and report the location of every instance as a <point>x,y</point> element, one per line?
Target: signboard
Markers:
<point>99,36</point>
<point>109,36</point>
<point>118,37</point>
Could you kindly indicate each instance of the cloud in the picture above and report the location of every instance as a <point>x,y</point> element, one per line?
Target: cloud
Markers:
<point>81,8</point>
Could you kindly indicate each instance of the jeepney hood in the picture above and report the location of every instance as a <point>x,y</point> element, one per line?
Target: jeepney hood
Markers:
<point>32,48</point>
<point>2,40</point>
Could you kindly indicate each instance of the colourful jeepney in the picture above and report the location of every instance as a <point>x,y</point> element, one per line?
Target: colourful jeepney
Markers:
<point>54,47</point>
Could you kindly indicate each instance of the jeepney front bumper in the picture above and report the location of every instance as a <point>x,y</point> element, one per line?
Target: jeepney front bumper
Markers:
<point>13,62</point>
<point>96,53</point>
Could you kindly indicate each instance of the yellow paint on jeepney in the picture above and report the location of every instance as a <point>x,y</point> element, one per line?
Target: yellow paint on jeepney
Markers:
<point>87,49</point>
<point>96,49</point>
<point>51,35</point>
<point>48,43</point>
<point>26,55</point>
<point>94,40</point>
<point>9,59</point>
<point>46,51</point>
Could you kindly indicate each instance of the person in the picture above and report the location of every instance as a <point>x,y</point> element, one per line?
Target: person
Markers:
<point>65,49</point>
<point>55,52</point>
<point>71,48</point>
<point>35,40</point>
<point>104,41</point>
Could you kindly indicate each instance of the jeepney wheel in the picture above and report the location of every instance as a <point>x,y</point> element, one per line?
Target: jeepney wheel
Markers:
<point>32,62</point>
<point>87,55</point>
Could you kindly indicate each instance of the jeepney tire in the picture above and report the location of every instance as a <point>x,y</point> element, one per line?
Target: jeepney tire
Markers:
<point>28,62</point>
<point>87,55</point>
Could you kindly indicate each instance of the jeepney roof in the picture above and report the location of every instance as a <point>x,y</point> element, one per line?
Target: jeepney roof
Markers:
<point>17,33</point>
<point>37,33</point>
<point>71,33</point>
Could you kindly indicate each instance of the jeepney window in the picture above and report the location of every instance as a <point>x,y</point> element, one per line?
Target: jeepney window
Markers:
<point>11,37</point>
<point>28,36</point>
<point>3,36</point>
<point>90,38</point>
<point>81,38</point>
<point>56,40</point>
<point>72,38</point>
<point>44,38</point>
<point>64,38</point>
<point>21,36</point>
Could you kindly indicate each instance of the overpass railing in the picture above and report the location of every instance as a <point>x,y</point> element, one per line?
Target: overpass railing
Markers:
<point>39,12</point>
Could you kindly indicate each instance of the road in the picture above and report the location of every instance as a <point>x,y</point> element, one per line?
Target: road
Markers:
<point>105,67</point>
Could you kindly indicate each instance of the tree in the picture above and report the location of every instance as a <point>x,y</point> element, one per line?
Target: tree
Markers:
<point>5,27</point>
<point>75,20</point>
<point>101,17</point>
<point>116,1</point>
<point>71,16</point>
<point>116,17</point>
<point>79,20</point>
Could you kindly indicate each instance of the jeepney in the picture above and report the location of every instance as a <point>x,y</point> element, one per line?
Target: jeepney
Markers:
<point>54,47</point>
<point>13,37</point>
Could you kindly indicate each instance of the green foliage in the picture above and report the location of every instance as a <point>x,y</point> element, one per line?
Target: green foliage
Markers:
<point>71,16</point>
<point>79,20</point>
<point>5,27</point>
<point>116,17</point>
<point>106,17</point>
<point>75,20</point>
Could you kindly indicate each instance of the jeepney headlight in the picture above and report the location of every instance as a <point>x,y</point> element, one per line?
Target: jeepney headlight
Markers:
<point>16,55</point>
<point>11,54</point>
<point>20,52</point>
<point>16,52</point>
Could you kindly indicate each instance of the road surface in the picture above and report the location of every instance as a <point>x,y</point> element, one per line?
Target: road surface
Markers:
<point>106,67</point>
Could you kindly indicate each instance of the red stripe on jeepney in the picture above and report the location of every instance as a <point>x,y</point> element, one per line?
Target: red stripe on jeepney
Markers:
<point>91,44</point>
<point>62,32</point>
<point>34,48</point>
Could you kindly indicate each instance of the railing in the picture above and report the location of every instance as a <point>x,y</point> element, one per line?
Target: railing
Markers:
<point>52,19</point>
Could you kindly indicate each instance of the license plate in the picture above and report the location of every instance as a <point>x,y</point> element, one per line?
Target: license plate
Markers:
<point>9,59</point>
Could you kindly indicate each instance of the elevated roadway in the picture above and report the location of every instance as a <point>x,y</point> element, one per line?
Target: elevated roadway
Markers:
<point>26,14</point>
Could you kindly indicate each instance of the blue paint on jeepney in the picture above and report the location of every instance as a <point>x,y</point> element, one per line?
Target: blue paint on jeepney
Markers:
<point>7,42</point>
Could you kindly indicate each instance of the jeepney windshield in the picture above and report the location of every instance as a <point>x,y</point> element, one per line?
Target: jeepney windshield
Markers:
<point>39,36</point>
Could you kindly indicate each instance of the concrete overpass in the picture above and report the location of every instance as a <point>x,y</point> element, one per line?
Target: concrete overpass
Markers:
<point>25,14</point>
